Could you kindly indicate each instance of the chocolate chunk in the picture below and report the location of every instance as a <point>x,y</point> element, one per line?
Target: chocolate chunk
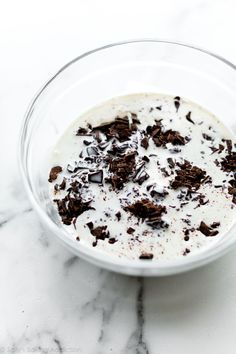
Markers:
<point>161,137</point>
<point>145,158</point>
<point>71,207</point>
<point>118,215</point>
<point>186,238</point>
<point>188,176</point>
<point>145,208</point>
<point>187,250</point>
<point>120,128</point>
<point>157,191</point>
<point>130,231</point>
<point>82,132</point>
<point>96,177</point>
<point>177,103</point>
<point>207,230</point>
<point>121,170</point>
<point>228,164</point>
<point>159,108</point>
<point>112,240</point>
<point>146,256</point>
<point>219,149</point>
<point>87,143</point>
<point>215,225</point>
<point>188,117</point>
<point>145,143</point>
<point>171,162</point>
<point>229,146</point>
<point>99,232</point>
<point>207,137</point>
<point>54,173</point>
<point>140,174</point>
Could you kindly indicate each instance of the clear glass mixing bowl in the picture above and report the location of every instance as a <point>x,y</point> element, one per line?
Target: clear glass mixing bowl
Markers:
<point>113,70</point>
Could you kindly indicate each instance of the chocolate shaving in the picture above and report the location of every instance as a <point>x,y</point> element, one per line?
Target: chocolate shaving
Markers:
<point>208,230</point>
<point>207,137</point>
<point>146,256</point>
<point>188,117</point>
<point>120,128</point>
<point>189,176</point>
<point>71,207</point>
<point>130,231</point>
<point>82,132</point>
<point>146,209</point>
<point>54,173</point>
<point>145,143</point>
<point>177,103</point>
<point>118,215</point>
<point>228,163</point>
<point>121,170</point>
<point>161,137</point>
<point>99,232</point>
<point>219,149</point>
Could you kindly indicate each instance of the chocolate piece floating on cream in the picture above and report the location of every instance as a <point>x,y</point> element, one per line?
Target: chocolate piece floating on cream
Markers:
<point>54,173</point>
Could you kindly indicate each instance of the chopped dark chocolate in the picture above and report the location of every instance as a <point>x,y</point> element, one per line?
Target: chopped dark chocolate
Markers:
<point>161,137</point>
<point>120,128</point>
<point>145,143</point>
<point>228,163</point>
<point>99,232</point>
<point>177,103</point>
<point>130,231</point>
<point>140,174</point>
<point>112,240</point>
<point>187,250</point>
<point>207,230</point>
<point>54,173</point>
<point>188,117</point>
<point>146,209</point>
<point>146,256</point>
<point>82,131</point>
<point>71,207</point>
<point>118,215</point>
<point>188,176</point>
<point>121,169</point>
<point>96,177</point>
<point>207,137</point>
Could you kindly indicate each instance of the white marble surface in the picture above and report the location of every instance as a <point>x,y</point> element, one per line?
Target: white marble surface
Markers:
<point>51,301</point>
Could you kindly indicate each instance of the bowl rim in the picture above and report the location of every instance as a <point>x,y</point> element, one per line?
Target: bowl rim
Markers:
<point>130,267</point>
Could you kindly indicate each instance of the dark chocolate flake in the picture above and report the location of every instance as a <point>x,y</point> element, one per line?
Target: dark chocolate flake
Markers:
<point>96,177</point>
<point>207,230</point>
<point>177,103</point>
<point>71,207</point>
<point>54,173</point>
<point>189,176</point>
<point>146,256</point>
<point>188,117</point>
<point>145,143</point>
<point>130,231</point>
<point>120,128</point>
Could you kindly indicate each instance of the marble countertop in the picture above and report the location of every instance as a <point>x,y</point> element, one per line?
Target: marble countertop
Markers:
<point>50,300</point>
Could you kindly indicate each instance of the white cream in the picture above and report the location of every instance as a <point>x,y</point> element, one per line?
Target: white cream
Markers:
<point>164,244</point>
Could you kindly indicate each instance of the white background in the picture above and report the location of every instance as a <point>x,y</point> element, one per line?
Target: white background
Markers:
<point>50,300</point>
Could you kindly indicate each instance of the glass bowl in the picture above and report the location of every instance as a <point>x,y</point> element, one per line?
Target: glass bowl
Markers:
<point>118,69</point>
